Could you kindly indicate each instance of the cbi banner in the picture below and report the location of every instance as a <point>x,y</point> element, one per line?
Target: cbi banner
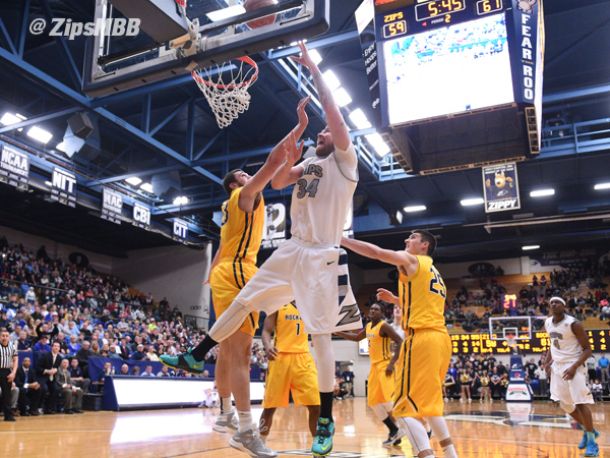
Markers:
<point>14,168</point>
<point>141,216</point>
<point>501,186</point>
<point>63,187</point>
<point>112,205</point>
<point>274,231</point>
<point>180,230</point>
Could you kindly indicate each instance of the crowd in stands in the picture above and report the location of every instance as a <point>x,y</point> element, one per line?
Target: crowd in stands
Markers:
<point>89,314</point>
<point>532,300</point>
<point>485,378</point>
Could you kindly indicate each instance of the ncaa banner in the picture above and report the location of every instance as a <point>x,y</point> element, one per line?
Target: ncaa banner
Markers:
<point>501,186</point>
<point>63,187</point>
<point>274,232</point>
<point>180,230</point>
<point>14,168</point>
<point>112,205</point>
<point>141,216</point>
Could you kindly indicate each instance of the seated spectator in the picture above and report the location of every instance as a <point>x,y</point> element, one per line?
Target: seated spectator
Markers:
<point>71,394</point>
<point>47,367</point>
<point>151,355</point>
<point>148,372</point>
<point>23,342</point>
<point>597,390</point>
<point>164,372</point>
<point>74,346</point>
<point>78,377</point>
<point>42,344</point>
<point>30,391</point>
<point>124,370</point>
<point>138,355</point>
<point>107,371</point>
<point>135,371</point>
<point>83,356</point>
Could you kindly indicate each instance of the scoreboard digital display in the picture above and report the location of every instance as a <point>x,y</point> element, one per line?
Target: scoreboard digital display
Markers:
<point>455,83</point>
<point>466,344</point>
<point>458,68</point>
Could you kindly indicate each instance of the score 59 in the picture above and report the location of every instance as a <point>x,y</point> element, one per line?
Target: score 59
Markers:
<point>394,26</point>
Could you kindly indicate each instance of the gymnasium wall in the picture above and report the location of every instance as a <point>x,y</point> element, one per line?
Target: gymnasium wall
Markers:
<point>99,262</point>
<point>174,272</point>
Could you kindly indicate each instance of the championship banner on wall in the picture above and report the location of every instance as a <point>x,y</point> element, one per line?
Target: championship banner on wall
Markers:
<point>141,216</point>
<point>274,232</point>
<point>501,186</point>
<point>63,187</point>
<point>180,230</point>
<point>112,205</point>
<point>14,168</point>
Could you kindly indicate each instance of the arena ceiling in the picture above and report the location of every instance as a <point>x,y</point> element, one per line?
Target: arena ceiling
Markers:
<point>168,127</point>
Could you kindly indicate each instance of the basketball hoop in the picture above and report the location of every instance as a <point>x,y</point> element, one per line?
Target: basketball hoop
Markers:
<point>225,87</point>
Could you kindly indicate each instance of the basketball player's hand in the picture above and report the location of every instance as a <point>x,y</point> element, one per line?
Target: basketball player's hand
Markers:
<point>389,370</point>
<point>295,150</point>
<point>304,59</point>
<point>302,114</point>
<point>569,373</point>
<point>271,353</point>
<point>385,295</point>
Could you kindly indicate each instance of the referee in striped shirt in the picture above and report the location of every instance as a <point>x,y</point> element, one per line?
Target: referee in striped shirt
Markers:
<point>8,369</point>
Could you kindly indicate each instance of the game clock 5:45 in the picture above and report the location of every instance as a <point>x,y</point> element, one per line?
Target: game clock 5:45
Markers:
<point>430,10</point>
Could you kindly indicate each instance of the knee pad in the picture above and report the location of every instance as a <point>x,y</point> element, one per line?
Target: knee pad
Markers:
<point>567,408</point>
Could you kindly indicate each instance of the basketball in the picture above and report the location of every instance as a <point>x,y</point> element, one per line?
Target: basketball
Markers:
<point>253,5</point>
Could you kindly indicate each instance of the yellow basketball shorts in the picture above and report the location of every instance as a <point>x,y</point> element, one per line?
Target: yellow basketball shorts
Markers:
<point>380,386</point>
<point>227,280</point>
<point>422,365</point>
<point>291,372</point>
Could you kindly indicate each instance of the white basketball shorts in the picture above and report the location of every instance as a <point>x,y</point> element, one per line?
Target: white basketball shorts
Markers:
<point>315,277</point>
<point>573,391</point>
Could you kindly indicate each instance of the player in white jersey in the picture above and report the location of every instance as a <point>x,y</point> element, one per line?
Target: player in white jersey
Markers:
<point>310,268</point>
<point>569,349</point>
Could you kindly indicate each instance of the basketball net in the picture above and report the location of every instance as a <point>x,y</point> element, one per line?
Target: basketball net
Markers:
<point>511,341</point>
<point>225,87</point>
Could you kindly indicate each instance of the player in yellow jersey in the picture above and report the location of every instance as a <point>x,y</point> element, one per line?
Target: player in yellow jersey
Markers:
<point>426,351</point>
<point>234,263</point>
<point>291,368</point>
<point>381,376</point>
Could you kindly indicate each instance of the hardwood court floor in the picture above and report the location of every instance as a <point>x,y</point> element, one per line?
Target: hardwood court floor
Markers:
<point>501,430</point>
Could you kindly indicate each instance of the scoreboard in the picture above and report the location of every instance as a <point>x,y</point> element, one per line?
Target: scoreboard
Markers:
<point>456,83</point>
<point>466,344</point>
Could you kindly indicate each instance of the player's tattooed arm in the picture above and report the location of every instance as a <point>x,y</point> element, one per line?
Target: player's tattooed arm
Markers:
<point>583,340</point>
<point>268,330</point>
<point>334,118</point>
